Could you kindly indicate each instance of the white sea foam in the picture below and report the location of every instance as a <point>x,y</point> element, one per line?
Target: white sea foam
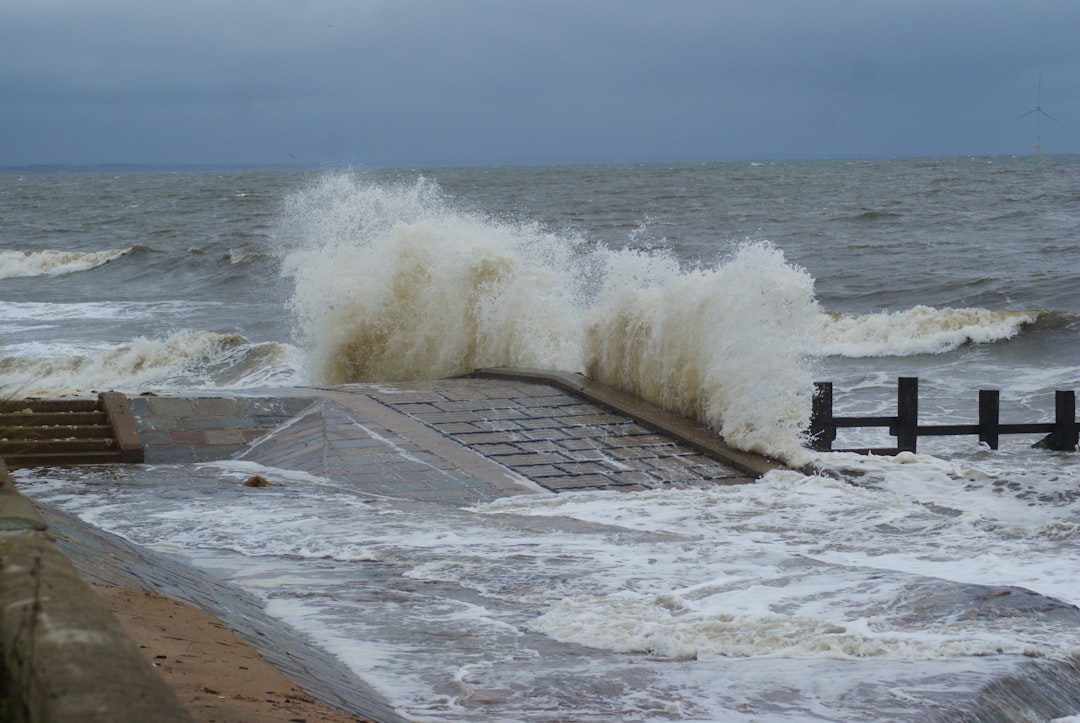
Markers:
<point>182,360</point>
<point>796,574</point>
<point>669,626</point>
<point>235,256</point>
<point>919,330</point>
<point>726,345</point>
<point>48,262</point>
<point>394,283</point>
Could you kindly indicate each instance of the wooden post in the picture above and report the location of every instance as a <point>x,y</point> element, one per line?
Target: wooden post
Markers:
<point>1065,428</point>
<point>822,429</point>
<point>989,416</point>
<point>907,414</point>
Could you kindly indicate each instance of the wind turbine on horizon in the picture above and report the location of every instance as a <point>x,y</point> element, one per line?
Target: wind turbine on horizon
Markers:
<point>1038,112</point>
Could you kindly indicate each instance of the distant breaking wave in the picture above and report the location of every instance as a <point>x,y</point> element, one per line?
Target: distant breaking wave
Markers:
<point>919,330</point>
<point>46,311</point>
<point>45,262</point>
<point>394,283</point>
<point>186,360</point>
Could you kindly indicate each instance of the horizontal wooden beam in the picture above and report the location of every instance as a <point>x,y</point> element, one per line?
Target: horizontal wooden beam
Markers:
<point>1063,431</point>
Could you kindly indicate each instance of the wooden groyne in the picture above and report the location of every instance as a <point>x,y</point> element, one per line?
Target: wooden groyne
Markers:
<point>1061,434</point>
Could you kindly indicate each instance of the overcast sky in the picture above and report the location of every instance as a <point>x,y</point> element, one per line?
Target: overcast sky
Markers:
<point>414,82</point>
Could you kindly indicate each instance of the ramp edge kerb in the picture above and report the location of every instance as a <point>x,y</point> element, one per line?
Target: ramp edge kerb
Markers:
<point>124,427</point>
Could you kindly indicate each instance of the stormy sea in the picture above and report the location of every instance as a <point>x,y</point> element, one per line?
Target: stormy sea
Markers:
<point>846,591</point>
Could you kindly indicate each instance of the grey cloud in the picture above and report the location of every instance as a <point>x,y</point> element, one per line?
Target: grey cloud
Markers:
<point>491,81</point>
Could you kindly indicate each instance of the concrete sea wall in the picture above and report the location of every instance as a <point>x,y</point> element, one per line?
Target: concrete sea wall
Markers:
<point>63,656</point>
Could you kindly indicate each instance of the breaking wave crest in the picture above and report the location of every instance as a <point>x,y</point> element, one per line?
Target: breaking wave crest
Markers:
<point>46,262</point>
<point>669,627</point>
<point>183,360</point>
<point>395,283</point>
<point>919,330</point>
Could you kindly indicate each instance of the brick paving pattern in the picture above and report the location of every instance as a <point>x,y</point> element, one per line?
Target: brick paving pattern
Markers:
<point>458,442</point>
<point>177,430</point>
<point>555,438</point>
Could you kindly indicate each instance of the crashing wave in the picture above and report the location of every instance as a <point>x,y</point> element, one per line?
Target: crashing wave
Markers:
<point>393,283</point>
<point>47,262</point>
<point>189,359</point>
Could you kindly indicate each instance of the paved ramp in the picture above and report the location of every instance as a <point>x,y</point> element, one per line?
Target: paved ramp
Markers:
<point>468,441</point>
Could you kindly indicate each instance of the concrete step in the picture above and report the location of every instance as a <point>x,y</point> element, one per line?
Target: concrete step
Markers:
<point>63,432</point>
<point>19,420</point>
<point>54,431</point>
<point>41,406</point>
<point>41,447</point>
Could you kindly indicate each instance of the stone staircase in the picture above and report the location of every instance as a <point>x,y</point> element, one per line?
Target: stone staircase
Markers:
<point>63,432</point>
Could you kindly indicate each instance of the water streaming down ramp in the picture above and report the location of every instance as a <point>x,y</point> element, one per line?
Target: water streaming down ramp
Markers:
<point>594,604</point>
<point>530,605</point>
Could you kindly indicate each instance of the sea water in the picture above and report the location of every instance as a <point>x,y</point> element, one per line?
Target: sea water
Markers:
<point>856,589</point>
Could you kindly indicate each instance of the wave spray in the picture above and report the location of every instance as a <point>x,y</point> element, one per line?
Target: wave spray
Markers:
<point>393,282</point>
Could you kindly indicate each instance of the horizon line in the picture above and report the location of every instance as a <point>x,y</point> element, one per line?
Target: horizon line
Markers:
<point>232,165</point>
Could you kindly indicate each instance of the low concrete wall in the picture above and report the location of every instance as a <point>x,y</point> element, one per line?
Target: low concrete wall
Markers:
<point>64,657</point>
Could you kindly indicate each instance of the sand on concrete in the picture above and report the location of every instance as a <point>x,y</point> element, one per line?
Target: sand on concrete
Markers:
<point>214,674</point>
